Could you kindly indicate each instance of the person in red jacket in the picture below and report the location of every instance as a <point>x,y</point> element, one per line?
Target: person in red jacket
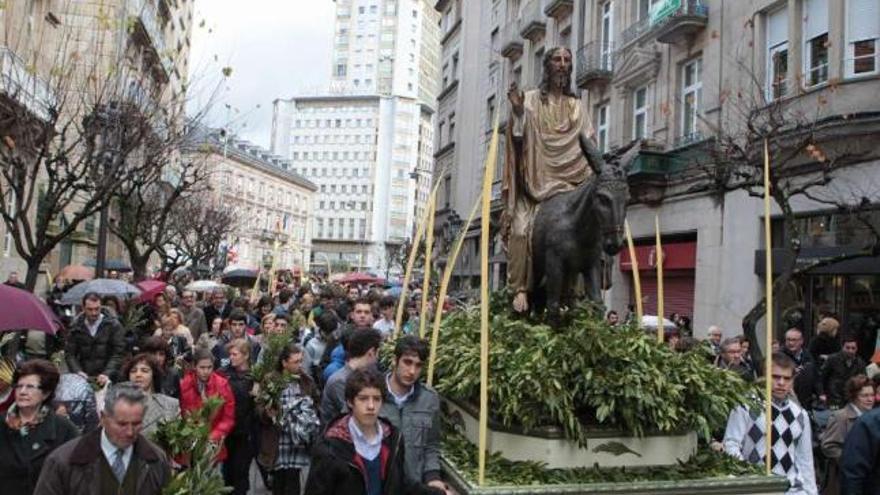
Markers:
<point>203,382</point>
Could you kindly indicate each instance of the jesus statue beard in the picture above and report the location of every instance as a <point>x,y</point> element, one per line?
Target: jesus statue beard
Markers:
<point>561,80</point>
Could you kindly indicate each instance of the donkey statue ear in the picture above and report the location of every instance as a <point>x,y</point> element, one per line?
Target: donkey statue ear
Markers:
<point>629,156</point>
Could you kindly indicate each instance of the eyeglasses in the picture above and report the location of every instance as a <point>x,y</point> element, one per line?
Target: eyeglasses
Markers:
<point>26,386</point>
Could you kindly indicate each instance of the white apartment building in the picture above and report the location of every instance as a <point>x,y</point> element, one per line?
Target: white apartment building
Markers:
<point>368,143</point>
<point>273,203</point>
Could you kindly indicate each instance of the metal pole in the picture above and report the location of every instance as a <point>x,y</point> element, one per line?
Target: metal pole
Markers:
<point>101,255</point>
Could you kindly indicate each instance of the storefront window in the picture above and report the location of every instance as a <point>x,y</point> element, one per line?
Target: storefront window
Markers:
<point>826,297</point>
<point>829,230</point>
<point>863,311</point>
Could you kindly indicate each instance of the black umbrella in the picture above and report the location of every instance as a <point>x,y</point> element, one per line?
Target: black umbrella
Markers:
<point>240,277</point>
<point>111,265</point>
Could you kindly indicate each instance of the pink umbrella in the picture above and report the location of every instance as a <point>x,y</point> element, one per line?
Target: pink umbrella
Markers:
<point>25,311</point>
<point>149,288</point>
<point>360,278</point>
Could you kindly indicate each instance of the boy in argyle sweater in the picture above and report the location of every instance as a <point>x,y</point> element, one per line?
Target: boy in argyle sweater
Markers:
<point>792,446</point>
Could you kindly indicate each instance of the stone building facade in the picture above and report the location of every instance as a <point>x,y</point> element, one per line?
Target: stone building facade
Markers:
<point>40,40</point>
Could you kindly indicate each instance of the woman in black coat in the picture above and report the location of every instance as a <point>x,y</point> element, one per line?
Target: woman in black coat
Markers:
<point>240,442</point>
<point>31,429</point>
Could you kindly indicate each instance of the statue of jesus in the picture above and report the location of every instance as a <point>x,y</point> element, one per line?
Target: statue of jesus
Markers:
<point>546,144</point>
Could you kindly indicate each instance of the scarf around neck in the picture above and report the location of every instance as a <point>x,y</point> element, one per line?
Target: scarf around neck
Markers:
<point>14,421</point>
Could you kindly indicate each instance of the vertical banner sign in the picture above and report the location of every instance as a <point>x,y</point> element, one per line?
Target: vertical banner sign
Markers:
<point>444,287</point>
<point>637,282</point>
<point>420,231</point>
<point>488,175</point>
<point>768,290</point>
<point>276,253</point>
<point>426,281</point>
<point>659,259</point>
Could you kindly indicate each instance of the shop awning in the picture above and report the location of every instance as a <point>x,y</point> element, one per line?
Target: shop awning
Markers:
<point>857,266</point>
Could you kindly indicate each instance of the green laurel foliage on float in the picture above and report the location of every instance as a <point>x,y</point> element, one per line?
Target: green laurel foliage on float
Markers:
<point>500,471</point>
<point>270,382</point>
<point>188,439</point>
<point>584,375</point>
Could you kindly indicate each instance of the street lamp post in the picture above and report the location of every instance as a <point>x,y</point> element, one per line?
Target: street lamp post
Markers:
<point>106,118</point>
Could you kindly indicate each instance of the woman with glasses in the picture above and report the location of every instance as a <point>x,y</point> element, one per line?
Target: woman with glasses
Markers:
<point>31,430</point>
<point>860,391</point>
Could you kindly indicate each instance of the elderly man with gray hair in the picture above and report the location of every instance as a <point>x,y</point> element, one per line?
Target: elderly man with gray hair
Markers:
<point>730,358</point>
<point>115,458</point>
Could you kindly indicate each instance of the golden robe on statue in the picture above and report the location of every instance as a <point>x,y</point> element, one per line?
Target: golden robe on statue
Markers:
<point>543,158</point>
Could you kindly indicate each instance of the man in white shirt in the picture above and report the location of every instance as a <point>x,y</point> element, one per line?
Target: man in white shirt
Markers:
<point>385,323</point>
<point>792,446</point>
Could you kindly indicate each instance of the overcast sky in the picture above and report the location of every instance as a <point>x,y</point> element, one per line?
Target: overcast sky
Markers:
<point>276,48</point>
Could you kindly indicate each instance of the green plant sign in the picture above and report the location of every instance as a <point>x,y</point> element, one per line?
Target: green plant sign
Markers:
<point>663,9</point>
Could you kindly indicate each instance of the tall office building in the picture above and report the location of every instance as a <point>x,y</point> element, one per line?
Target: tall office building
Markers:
<point>368,142</point>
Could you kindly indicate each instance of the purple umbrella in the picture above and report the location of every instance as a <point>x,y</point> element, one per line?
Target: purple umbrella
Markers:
<point>25,311</point>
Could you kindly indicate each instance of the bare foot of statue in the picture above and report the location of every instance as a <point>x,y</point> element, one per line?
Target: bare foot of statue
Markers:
<point>520,302</point>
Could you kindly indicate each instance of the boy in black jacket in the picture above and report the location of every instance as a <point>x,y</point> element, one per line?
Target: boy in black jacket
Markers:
<point>359,453</point>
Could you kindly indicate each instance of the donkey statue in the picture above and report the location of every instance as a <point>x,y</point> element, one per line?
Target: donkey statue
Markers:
<point>573,229</point>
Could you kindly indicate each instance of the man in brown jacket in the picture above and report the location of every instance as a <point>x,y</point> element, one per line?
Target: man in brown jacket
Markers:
<point>113,459</point>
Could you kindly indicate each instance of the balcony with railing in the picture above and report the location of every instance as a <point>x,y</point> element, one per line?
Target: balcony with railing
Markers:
<point>669,21</point>
<point>511,41</point>
<point>20,84</point>
<point>148,19</point>
<point>595,63</point>
<point>558,8</point>
<point>532,22</point>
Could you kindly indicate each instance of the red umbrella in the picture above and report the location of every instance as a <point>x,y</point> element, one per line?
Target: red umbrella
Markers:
<point>149,289</point>
<point>25,311</point>
<point>360,278</point>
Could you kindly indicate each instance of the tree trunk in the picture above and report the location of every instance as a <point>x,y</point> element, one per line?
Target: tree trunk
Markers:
<point>33,273</point>
<point>139,267</point>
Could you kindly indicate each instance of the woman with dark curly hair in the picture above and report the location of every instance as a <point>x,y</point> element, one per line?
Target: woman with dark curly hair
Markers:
<point>169,382</point>
<point>143,370</point>
<point>31,430</point>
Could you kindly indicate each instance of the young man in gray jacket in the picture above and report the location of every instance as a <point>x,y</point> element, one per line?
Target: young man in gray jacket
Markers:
<point>414,410</point>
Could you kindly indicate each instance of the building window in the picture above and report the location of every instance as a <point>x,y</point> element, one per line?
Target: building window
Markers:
<point>862,34</point>
<point>607,33</point>
<point>816,41</point>
<point>645,7</point>
<point>777,54</point>
<point>691,96</point>
<point>340,70</point>
<point>490,112</point>
<point>451,127</point>
<point>640,113</point>
<point>602,127</point>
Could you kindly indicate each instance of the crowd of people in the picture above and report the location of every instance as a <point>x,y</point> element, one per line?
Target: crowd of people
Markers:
<point>344,422</point>
<point>825,403</point>
<point>826,410</point>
